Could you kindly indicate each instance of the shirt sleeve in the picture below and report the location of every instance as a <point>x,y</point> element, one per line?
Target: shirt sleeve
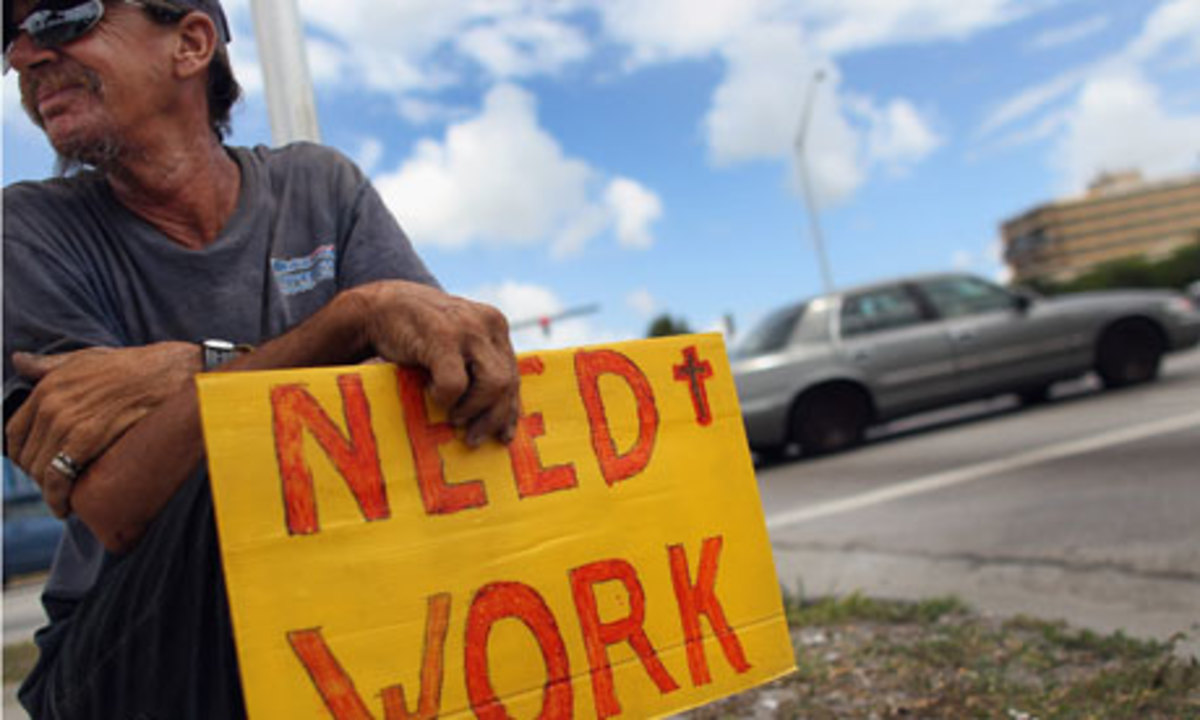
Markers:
<point>377,248</point>
<point>372,246</point>
<point>49,308</point>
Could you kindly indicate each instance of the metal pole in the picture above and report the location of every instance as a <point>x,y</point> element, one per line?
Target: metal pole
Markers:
<point>802,165</point>
<point>280,35</point>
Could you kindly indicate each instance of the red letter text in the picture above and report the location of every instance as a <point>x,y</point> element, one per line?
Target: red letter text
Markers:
<point>589,366</point>
<point>424,437</point>
<point>356,459</point>
<point>701,599</point>
<point>514,600</point>
<point>598,635</point>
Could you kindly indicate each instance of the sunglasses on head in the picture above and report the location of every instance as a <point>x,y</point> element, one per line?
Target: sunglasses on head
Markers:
<point>52,23</point>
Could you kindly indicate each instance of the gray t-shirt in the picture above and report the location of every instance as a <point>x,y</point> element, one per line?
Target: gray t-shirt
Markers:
<point>81,270</point>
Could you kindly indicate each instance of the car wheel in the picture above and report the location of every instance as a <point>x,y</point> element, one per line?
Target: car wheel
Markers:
<point>1034,395</point>
<point>770,454</point>
<point>830,419</point>
<point>1129,354</point>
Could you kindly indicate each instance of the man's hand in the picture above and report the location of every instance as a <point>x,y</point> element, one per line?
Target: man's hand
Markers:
<point>463,345</point>
<point>84,401</point>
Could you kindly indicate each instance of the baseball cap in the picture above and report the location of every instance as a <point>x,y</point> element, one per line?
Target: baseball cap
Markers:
<point>212,8</point>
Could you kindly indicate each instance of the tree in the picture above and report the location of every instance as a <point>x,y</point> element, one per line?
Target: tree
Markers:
<point>1174,271</point>
<point>665,325</point>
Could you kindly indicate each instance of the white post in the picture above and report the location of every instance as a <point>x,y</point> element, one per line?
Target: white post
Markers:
<point>802,165</point>
<point>290,104</point>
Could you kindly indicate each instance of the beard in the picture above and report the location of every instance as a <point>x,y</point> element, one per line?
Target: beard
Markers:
<point>100,150</point>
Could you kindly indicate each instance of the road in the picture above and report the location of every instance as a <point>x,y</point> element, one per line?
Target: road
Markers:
<point>1085,509</point>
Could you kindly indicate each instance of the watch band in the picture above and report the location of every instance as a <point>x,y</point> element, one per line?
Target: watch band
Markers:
<point>218,352</point>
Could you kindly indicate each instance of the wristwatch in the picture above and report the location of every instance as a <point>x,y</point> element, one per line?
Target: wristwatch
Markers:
<point>219,352</point>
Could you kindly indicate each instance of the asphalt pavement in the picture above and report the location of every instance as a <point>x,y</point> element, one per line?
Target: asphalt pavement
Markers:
<point>1082,509</point>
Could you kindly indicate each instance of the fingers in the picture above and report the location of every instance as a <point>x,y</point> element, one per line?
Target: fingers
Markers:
<point>35,367</point>
<point>449,381</point>
<point>47,439</point>
<point>56,489</point>
<point>17,430</point>
<point>463,345</point>
<point>498,421</point>
<point>491,404</point>
<point>482,394</point>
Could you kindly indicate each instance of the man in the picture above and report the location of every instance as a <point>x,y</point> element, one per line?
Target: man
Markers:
<point>113,275</point>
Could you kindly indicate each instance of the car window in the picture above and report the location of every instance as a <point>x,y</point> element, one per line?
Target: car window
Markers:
<point>876,310</point>
<point>959,296</point>
<point>772,333</point>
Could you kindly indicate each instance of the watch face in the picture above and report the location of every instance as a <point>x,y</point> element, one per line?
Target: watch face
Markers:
<point>217,353</point>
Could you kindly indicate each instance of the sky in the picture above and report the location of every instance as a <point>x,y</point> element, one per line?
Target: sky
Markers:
<point>640,155</point>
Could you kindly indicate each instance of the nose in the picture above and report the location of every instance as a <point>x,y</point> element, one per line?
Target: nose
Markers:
<point>24,53</point>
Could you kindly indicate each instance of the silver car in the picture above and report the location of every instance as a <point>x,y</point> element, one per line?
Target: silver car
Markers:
<point>820,372</point>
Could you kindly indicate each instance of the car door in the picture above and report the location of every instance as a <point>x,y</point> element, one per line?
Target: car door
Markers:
<point>896,348</point>
<point>1001,342</point>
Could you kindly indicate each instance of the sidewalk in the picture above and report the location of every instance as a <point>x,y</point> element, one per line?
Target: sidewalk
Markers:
<point>22,616</point>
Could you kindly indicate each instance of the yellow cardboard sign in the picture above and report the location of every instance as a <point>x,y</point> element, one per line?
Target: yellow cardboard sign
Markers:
<point>612,561</point>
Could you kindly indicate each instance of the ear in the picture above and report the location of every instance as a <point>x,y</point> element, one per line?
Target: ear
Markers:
<point>197,42</point>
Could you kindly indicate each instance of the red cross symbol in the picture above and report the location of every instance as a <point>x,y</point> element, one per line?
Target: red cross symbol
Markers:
<point>695,373</point>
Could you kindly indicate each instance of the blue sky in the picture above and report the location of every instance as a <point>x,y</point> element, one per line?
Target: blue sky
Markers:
<point>638,154</point>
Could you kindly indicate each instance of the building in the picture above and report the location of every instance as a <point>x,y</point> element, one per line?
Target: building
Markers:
<point>1120,216</point>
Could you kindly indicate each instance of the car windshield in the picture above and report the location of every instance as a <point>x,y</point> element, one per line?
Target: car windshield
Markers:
<point>772,333</point>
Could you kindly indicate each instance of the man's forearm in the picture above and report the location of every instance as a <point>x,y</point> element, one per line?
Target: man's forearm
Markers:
<point>125,488</point>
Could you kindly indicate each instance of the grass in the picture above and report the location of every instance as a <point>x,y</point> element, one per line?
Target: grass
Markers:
<point>861,657</point>
<point>18,661</point>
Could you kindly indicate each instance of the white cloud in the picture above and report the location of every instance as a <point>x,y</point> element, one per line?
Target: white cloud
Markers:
<point>899,136</point>
<point>1069,34</point>
<point>327,62</point>
<point>634,209</point>
<point>520,302</point>
<point>420,111</point>
<point>1120,122</point>
<point>370,153</point>
<point>756,115</point>
<point>524,303</point>
<point>402,46</point>
<point>756,110</point>
<point>1032,100</point>
<point>1174,25</point>
<point>642,302</point>
<point>675,29</point>
<point>523,46</point>
<point>848,25</point>
<point>243,55</point>
<point>1109,115</point>
<point>666,30</point>
<point>500,179</point>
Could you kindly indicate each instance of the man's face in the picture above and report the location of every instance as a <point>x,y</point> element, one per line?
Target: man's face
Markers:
<point>90,94</point>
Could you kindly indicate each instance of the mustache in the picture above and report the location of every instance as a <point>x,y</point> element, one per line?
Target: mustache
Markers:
<point>35,82</point>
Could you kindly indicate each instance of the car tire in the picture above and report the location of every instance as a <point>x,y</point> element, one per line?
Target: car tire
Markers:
<point>831,419</point>
<point>1036,395</point>
<point>1129,354</point>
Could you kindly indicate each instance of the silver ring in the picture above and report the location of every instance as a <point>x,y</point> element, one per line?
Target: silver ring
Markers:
<point>66,465</point>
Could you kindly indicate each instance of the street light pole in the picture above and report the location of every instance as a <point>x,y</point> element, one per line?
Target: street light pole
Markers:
<point>802,165</point>
<point>280,35</point>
